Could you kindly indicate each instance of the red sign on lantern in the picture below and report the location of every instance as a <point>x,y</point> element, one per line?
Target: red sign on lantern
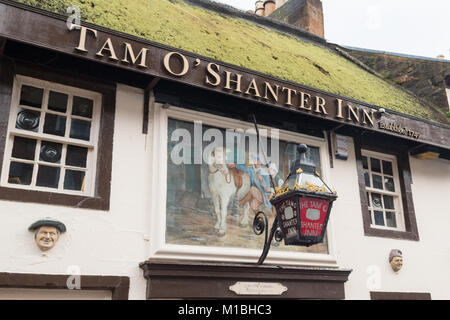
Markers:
<point>313,213</point>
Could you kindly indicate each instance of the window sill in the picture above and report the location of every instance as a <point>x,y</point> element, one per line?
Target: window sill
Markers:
<point>51,198</point>
<point>392,234</point>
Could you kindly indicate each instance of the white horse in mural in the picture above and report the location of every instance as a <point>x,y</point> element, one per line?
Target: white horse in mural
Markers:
<point>223,185</point>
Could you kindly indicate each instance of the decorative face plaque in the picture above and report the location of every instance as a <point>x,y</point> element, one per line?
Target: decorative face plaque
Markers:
<point>258,288</point>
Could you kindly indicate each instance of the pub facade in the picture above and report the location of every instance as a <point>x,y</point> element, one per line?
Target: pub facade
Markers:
<point>142,160</point>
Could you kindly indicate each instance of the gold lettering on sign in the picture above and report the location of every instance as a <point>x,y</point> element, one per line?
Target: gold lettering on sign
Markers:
<point>258,288</point>
<point>367,116</point>
<point>129,52</point>
<point>339,110</point>
<point>228,81</point>
<point>108,46</point>
<point>320,105</point>
<point>83,32</point>
<point>213,73</point>
<point>289,95</point>
<point>185,62</point>
<point>304,101</point>
<point>273,93</point>
<point>352,113</point>
<point>397,128</point>
<point>252,86</point>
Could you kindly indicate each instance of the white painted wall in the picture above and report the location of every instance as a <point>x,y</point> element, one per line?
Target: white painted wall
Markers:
<point>98,242</point>
<point>425,262</point>
<point>115,242</point>
<point>447,90</point>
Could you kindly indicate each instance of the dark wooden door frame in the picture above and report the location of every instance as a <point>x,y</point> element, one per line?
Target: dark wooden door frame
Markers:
<point>118,285</point>
<point>208,280</point>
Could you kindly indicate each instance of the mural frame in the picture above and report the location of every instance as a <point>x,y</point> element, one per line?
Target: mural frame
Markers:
<point>156,204</point>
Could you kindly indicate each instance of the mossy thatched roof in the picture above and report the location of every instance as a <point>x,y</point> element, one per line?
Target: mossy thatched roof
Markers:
<point>240,42</point>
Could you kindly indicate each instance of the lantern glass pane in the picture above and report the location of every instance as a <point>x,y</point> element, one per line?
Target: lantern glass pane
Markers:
<point>312,183</point>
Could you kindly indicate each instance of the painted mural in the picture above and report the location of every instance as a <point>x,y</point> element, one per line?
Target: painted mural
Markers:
<point>212,196</point>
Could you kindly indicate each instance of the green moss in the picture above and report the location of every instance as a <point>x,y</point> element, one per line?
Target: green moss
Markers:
<point>239,42</point>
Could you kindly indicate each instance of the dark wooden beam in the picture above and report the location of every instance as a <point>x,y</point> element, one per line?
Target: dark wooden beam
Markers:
<point>2,46</point>
<point>148,89</point>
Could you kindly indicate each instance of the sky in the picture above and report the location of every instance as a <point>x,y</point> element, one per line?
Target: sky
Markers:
<point>414,27</point>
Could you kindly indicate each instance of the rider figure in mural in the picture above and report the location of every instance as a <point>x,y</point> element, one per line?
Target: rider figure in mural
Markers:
<point>260,183</point>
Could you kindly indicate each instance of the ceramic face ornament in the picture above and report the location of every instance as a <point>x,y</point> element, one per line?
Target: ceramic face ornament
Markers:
<point>47,232</point>
<point>396,260</point>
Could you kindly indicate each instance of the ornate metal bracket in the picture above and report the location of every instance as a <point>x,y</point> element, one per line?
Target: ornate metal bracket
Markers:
<point>260,225</point>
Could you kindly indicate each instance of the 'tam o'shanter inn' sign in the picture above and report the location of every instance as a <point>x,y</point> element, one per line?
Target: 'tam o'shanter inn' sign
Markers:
<point>125,51</point>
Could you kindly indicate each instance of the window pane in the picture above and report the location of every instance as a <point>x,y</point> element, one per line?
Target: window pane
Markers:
<point>377,181</point>
<point>376,200</point>
<point>371,218</point>
<point>76,156</point>
<point>80,129</point>
<point>390,219</point>
<point>48,177</point>
<point>28,120</point>
<point>389,184</point>
<point>50,152</point>
<point>379,219</point>
<point>375,165</point>
<point>57,101</point>
<point>364,161</point>
<point>55,125</point>
<point>74,180</point>
<point>82,107</point>
<point>388,202</point>
<point>24,148</point>
<point>367,179</point>
<point>387,168</point>
<point>20,173</point>
<point>31,96</point>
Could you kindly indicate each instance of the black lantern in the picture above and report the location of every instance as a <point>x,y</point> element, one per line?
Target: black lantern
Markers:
<point>303,205</point>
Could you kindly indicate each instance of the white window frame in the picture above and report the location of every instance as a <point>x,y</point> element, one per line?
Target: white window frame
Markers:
<point>156,206</point>
<point>397,195</point>
<point>91,145</point>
